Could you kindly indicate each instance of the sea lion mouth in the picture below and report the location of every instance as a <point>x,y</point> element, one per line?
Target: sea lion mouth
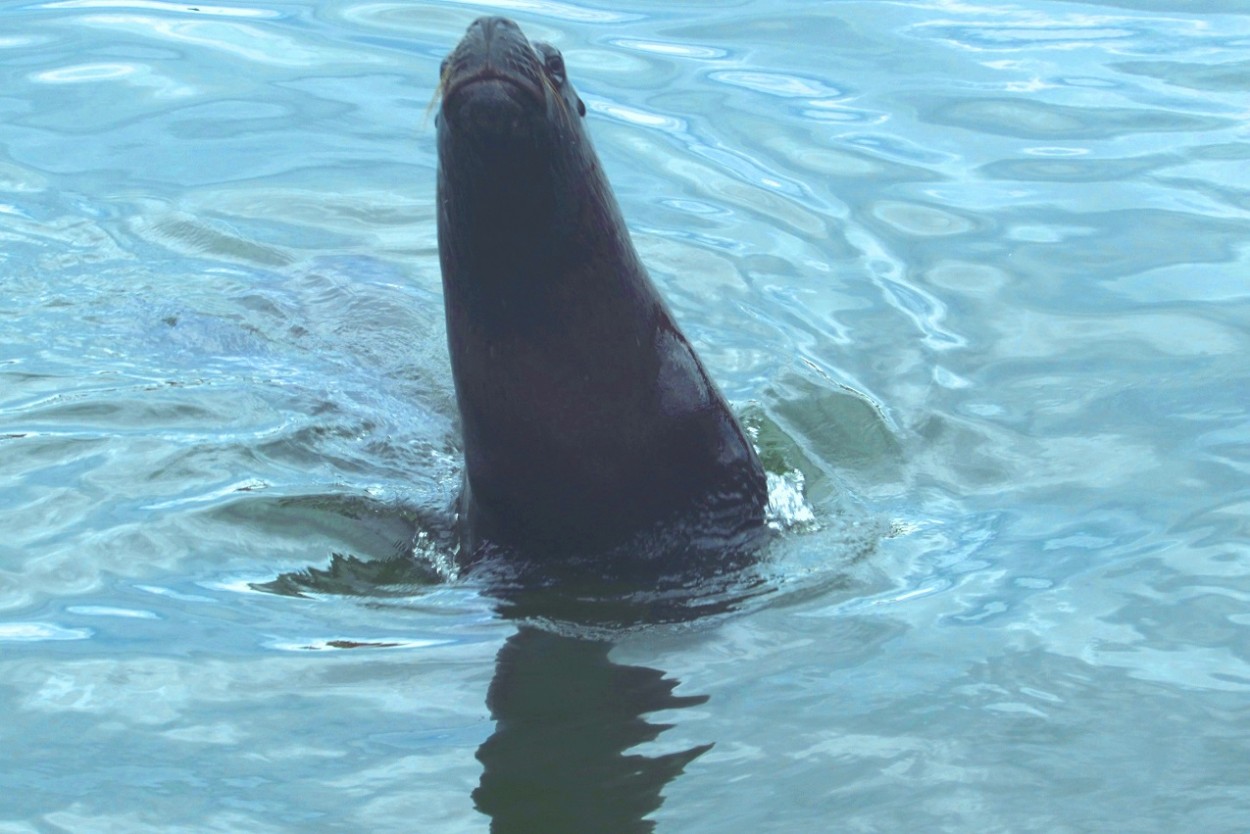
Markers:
<point>490,77</point>
<point>493,102</point>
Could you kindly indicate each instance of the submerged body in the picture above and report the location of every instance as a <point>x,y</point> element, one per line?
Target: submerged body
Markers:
<point>589,423</point>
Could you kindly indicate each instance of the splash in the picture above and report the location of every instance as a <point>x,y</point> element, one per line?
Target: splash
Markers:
<point>787,506</point>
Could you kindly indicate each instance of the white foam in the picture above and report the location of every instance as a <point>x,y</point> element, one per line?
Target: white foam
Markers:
<point>787,506</point>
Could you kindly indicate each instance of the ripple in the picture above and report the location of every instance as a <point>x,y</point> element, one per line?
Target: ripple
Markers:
<point>84,72</point>
<point>776,84</point>
<point>1099,241</point>
<point>137,75</point>
<point>1055,34</point>
<point>967,277</point>
<point>156,5</point>
<point>172,594</point>
<point>19,41</point>
<point>676,49</point>
<point>921,220</point>
<point>562,11</point>
<point>252,43</point>
<point>608,62</point>
<point>110,611</point>
<point>898,147</point>
<point>1074,166</point>
<point>1038,120</point>
<point>635,116</point>
<point>39,632</point>
<point>344,643</point>
<point>1228,76</point>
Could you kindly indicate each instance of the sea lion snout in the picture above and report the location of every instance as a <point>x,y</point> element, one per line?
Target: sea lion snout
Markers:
<point>493,62</point>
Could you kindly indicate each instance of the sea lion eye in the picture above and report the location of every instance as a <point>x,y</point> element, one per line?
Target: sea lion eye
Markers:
<point>553,62</point>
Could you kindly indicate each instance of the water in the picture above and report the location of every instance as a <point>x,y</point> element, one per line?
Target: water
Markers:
<point>977,272</point>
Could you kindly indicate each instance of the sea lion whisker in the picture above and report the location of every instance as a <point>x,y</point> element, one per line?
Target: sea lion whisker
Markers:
<point>434,100</point>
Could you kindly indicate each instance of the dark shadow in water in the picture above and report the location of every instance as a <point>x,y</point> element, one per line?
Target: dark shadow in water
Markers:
<point>348,575</point>
<point>568,750</point>
<point>373,545</point>
<point>567,717</point>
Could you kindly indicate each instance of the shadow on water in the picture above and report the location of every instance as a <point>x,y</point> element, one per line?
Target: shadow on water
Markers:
<point>569,720</point>
<point>377,548</point>
<point>566,718</point>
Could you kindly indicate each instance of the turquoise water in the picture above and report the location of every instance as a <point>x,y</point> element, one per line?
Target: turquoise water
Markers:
<point>978,273</point>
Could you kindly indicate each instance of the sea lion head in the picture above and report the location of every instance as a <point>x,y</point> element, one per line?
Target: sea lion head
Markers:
<point>522,198</point>
<point>505,98</point>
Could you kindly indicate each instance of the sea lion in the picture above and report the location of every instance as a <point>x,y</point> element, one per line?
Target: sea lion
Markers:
<point>588,421</point>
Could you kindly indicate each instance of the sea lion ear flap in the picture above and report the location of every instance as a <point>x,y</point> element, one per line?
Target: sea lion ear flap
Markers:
<point>581,106</point>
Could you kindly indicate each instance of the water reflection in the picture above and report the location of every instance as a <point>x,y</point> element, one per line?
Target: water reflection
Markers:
<point>569,720</point>
<point>566,716</point>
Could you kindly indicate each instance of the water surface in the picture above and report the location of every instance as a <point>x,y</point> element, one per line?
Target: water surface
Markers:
<point>978,273</point>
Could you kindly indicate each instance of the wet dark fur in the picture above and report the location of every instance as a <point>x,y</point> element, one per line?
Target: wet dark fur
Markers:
<point>589,422</point>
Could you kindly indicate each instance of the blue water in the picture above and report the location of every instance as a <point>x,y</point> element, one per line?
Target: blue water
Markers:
<point>979,274</point>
